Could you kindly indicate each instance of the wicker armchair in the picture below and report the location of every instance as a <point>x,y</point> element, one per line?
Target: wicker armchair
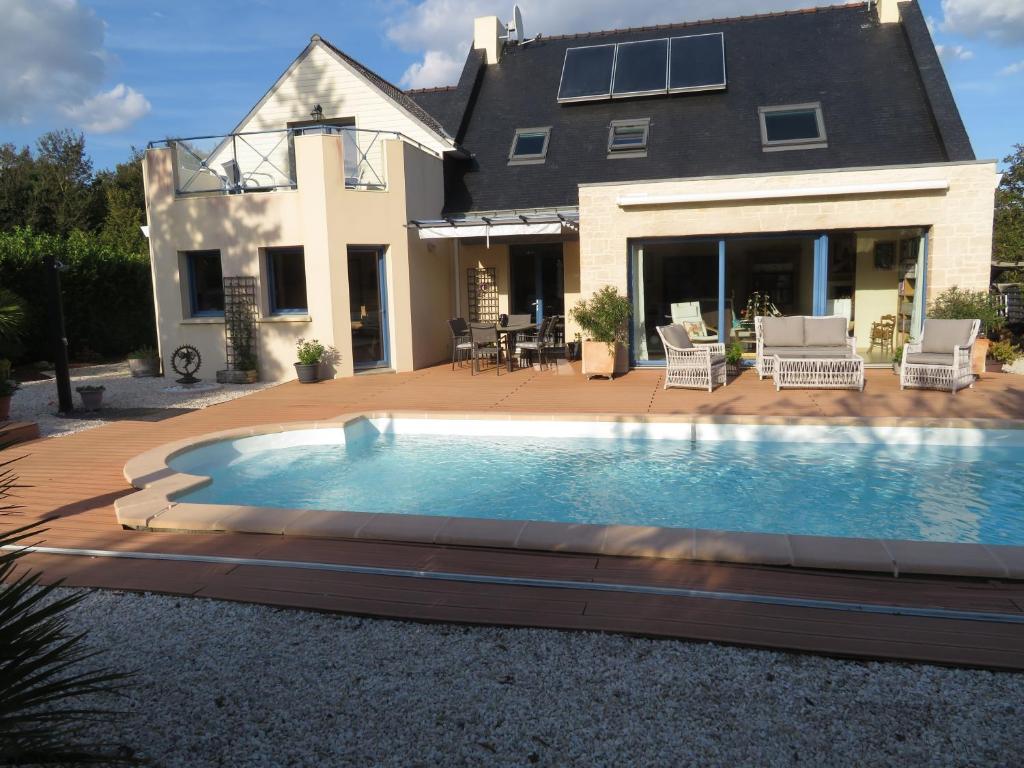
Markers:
<point>690,366</point>
<point>942,357</point>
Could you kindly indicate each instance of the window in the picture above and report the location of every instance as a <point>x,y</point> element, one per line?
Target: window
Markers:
<point>530,145</point>
<point>628,138</point>
<point>795,126</point>
<point>205,283</point>
<point>286,281</point>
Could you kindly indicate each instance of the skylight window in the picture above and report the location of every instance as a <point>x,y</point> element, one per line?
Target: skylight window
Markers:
<point>792,126</point>
<point>529,145</point>
<point>628,138</point>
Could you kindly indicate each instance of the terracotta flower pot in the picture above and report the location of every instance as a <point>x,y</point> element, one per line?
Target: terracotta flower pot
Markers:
<point>978,356</point>
<point>603,359</point>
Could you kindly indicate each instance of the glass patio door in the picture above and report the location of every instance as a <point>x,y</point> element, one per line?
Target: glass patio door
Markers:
<point>367,296</point>
<point>536,280</point>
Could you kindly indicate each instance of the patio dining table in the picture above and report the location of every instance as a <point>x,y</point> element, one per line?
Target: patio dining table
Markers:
<point>510,332</point>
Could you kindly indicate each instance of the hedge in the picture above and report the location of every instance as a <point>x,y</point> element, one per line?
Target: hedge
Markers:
<point>108,294</point>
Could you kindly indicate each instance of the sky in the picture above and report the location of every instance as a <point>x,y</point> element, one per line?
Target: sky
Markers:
<point>126,72</point>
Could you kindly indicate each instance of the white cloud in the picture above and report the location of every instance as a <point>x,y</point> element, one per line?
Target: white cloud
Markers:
<point>931,24</point>
<point>441,31</point>
<point>1013,69</point>
<point>954,52</point>
<point>436,67</point>
<point>111,111</point>
<point>1001,20</point>
<point>53,61</point>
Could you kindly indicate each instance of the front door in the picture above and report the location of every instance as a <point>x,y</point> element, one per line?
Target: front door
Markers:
<point>367,296</point>
<point>537,280</point>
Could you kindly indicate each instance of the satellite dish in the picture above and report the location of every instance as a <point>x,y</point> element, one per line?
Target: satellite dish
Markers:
<point>516,25</point>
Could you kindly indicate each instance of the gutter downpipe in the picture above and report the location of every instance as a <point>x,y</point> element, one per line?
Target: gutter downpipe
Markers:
<point>456,294</point>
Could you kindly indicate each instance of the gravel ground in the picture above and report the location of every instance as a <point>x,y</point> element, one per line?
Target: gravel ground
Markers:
<point>225,684</point>
<point>124,397</point>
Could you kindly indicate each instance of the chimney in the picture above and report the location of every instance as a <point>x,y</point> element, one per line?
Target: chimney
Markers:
<point>888,11</point>
<point>487,36</point>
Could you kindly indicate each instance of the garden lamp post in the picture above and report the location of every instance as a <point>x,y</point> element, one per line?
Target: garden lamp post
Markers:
<point>55,309</point>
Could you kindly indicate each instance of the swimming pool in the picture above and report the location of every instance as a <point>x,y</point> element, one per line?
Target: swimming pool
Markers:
<point>891,483</point>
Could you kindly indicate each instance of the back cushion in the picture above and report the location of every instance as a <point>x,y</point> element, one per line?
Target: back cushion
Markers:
<point>943,335</point>
<point>676,336</point>
<point>825,331</point>
<point>782,331</point>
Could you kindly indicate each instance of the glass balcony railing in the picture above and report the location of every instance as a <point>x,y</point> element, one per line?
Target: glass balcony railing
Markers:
<point>264,161</point>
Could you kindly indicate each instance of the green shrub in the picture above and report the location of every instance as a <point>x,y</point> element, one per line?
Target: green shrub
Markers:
<point>310,352</point>
<point>1004,351</point>
<point>604,317</point>
<point>108,293</point>
<point>734,353</point>
<point>956,304</point>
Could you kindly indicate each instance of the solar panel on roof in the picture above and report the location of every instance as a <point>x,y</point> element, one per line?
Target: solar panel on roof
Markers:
<point>697,63</point>
<point>587,73</point>
<point>641,68</point>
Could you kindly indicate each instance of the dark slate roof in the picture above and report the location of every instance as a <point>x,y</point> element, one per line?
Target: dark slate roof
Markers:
<point>882,104</point>
<point>452,104</point>
<point>392,91</point>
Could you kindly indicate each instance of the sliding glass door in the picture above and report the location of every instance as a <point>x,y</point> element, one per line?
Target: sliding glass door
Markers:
<point>367,295</point>
<point>717,286</point>
<point>673,282</point>
<point>537,284</point>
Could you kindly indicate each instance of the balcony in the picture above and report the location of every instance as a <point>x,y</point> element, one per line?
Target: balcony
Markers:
<point>264,161</point>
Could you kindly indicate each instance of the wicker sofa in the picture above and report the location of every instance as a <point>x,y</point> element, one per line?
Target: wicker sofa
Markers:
<point>941,359</point>
<point>800,336</point>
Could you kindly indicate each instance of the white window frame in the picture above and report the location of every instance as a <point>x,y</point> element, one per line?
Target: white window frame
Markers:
<point>630,151</point>
<point>531,159</point>
<point>778,145</point>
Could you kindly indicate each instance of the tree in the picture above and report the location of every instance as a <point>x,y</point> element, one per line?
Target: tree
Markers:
<point>124,204</point>
<point>62,192</point>
<point>1008,235</point>
<point>17,172</point>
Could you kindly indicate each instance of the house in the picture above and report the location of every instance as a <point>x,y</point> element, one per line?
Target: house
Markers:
<point>813,162</point>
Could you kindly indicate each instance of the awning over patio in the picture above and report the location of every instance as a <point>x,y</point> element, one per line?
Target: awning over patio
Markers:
<point>498,225</point>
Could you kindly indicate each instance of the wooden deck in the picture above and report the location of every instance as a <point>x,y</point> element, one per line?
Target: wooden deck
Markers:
<point>73,482</point>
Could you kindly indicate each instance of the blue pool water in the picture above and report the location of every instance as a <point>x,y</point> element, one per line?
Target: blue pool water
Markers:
<point>935,493</point>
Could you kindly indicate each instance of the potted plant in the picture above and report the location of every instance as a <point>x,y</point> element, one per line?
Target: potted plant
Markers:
<point>897,360</point>
<point>1003,352</point>
<point>310,354</point>
<point>956,304</point>
<point>603,318</point>
<point>92,396</point>
<point>733,358</point>
<point>144,361</point>
<point>8,387</point>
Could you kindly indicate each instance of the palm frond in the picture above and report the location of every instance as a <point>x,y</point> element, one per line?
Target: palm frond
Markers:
<point>48,684</point>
